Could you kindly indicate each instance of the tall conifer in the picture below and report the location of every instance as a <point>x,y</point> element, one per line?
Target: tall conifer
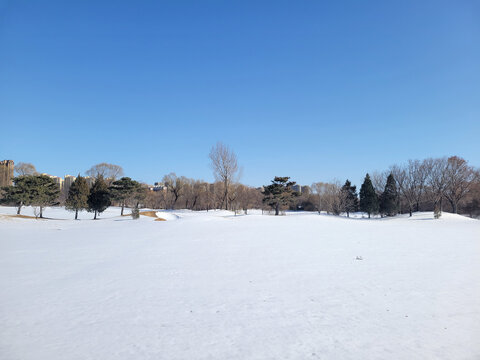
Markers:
<point>349,195</point>
<point>368,197</point>
<point>99,197</point>
<point>389,198</point>
<point>78,196</point>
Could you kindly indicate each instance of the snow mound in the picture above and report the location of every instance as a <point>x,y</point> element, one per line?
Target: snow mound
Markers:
<point>169,216</point>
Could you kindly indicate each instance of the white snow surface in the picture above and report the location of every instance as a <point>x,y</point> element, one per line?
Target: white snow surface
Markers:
<point>211,285</point>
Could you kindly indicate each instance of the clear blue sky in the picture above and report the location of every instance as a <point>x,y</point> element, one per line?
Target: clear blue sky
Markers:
<point>308,89</point>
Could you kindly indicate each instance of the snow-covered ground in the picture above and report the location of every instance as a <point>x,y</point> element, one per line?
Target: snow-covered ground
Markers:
<point>215,286</point>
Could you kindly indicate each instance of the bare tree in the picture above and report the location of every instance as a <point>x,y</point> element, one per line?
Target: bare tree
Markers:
<point>436,181</point>
<point>459,177</point>
<point>319,190</point>
<point>379,180</point>
<point>194,192</point>
<point>406,185</point>
<point>471,202</point>
<point>210,196</point>
<point>176,186</point>
<point>25,169</point>
<point>330,197</point>
<point>225,168</point>
<point>233,197</point>
<point>336,198</point>
<point>248,198</point>
<point>418,174</point>
<point>109,172</point>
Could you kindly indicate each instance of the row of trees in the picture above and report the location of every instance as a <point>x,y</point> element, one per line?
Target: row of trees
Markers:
<point>31,190</point>
<point>334,198</point>
<point>418,185</point>
<point>100,196</point>
<point>41,191</point>
<point>184,193</point>
<point>226,193</point>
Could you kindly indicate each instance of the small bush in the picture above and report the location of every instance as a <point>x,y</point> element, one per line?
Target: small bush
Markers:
<point>135,213</point>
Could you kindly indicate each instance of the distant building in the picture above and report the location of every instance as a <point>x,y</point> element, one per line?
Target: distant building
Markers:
<point>67,182</point>
<point>58,180</point>
<point>6,172</point>
<point>157,187</point>
<point>90,180</point>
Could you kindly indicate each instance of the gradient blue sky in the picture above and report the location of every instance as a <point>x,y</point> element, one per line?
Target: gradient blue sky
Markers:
<point>308,89</point>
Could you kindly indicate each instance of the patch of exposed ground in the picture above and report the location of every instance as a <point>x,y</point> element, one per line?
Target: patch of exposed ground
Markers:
<point>152,214</point>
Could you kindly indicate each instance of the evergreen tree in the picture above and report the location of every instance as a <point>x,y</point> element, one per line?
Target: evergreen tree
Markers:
<point>279,193</point>
<point>78,196</point>
<point>389,198</point>
<point>349,195</point>
<point>20,193</point>
<point>135,213</point>
<point>44,192</point>
<point>124,189</point>
<point>368,197</point>
<point>99,197</point>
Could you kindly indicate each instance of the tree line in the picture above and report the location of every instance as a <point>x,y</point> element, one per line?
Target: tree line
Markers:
<point>41,191</point>
<point>432,184</point>
<point>418,185</point>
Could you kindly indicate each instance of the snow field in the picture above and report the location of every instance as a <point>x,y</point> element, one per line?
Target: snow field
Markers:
<point>215,286</point>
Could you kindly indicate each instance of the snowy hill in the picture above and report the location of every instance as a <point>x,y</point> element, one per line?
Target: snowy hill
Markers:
<point>211,285</point>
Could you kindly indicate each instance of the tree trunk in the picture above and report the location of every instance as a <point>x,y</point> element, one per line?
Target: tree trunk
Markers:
<point>76,214</point>
<point>19,208</point>
<point>277,206</point>
<point>41,212</point>
<point>95,216</point>
<point>454,207</point>
<point>123,206</point>
<point>410,210</point>
<point>174,201</point>
<point>369,215</point>
<point>348,214</point>
<point>226,195</point>
<point>418,206</point>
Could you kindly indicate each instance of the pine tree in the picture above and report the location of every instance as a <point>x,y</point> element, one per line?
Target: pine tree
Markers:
<point>78,196</point>
<point>349,195</point>
<point>279,193</point>
<point>20,193</point>
<point>368,197</point>
<point>45,192</point>
<point>99,197</point>
<point>124,189</point>
<point>389,198</point>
